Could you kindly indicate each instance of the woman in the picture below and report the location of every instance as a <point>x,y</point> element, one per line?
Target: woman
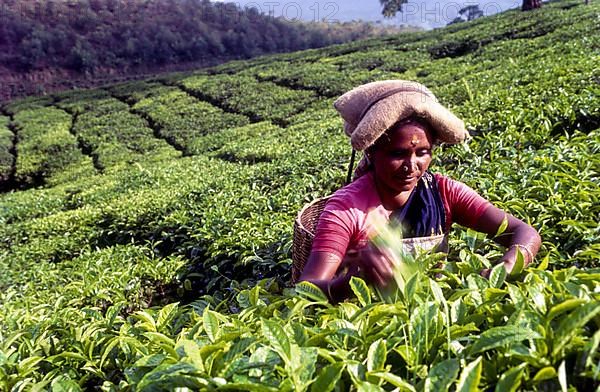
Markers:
<point>397,123</point>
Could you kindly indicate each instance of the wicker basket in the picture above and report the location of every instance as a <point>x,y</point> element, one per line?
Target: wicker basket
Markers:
<point>304,233</point>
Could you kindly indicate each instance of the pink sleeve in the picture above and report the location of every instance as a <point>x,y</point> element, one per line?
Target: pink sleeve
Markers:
<point>335,228</point>
<point>464,205</point>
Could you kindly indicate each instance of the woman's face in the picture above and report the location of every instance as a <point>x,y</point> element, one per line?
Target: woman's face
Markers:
<point>400,162</point>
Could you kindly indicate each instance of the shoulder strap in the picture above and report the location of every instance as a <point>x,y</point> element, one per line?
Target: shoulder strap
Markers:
<point>351,167</point>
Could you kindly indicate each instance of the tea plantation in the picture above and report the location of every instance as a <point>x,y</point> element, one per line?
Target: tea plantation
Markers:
<point>145,228</point>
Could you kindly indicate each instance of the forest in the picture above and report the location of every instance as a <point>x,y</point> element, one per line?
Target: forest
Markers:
<point>98,37</point>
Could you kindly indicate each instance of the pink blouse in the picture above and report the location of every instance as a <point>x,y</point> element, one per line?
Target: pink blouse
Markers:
<point>345,224</point>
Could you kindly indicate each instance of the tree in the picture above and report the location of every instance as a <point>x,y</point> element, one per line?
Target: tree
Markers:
<point>531,4</point>
<point>468,13</point>
<point>82,57</point>
<point>471,12</point>
<point>391,7</point>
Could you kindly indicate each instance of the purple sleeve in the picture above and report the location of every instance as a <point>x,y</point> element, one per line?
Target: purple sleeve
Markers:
<point>335,228</point>
<point>464,204</point>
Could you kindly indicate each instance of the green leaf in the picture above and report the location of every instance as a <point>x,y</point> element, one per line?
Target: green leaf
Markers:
<point>239,347</point>
<point>502,228</point>
<point>278,339</point>
<point>376,356</point>
<point>357,371</point>
<point>361,290</point>
<point>192,351</point>
<point>570,325</point>
<point>247,386</point>
<point>519,264</point>
<point>303,364</point>
<point>243,299</point>
<point>545,374</point>
<point>470,377</point>
<point>497,276</point>
<point>407,353</point>
<point>150,360</point>
<point>160,339</point>
<point>394,380</point>
<point>544,263</point>
<point>40,386</point>
<point>211,324</point>
<point>510,380</point>
<point>438,294</point>
<point>412,286</point>
<point>166,314</point>
<point>142,366</point>
<point>67,355</point>
<point>28,365</point>
<point>147,320</point>
<point>592,349</point>
<point>502,336</point>
<point>565,306</point>
<point>300,334</point>
<point>180,374</point>
<point>65,385</point>
<point>328,378</point>
<point>442,375</point>
<point>107,350</point>
<point>311,291</point>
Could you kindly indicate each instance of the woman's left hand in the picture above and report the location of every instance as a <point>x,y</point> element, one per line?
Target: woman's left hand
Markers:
<point>517,236</point>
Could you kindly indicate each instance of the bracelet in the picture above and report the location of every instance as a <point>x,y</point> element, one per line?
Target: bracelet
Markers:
<point>527,250</point>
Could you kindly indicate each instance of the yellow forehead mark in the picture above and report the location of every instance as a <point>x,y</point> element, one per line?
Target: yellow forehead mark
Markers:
<point>415,140</point>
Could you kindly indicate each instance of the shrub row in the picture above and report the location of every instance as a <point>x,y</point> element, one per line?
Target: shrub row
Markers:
<point>117,136</point>
<point>46,150</point>
<point>326,79</point>
<point>239,94</point>
<point>133,92</point>
<point>28,103</point>
<point>181,118</point>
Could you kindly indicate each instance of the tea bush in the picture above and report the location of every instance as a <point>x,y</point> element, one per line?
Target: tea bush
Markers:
<point>181,118</point>
<point>237,94</point>
<point>46,150</point>
<point>116,135</point>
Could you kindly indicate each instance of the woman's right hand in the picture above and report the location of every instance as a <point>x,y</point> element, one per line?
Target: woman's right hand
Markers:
<point>376,265</point>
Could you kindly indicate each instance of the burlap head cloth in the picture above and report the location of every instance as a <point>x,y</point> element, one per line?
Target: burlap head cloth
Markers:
<point>371,109</point>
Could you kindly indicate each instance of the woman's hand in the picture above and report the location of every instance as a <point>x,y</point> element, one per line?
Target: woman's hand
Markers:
<point>372,264</point>
<point>321,268</point>
<point>376,265</point>
<point>518,237</point>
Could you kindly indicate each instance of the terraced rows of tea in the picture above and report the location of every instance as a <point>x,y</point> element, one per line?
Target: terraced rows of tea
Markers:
<point>146,227</point>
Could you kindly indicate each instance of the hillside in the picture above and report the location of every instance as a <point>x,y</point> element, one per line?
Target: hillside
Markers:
<point>46,46</point>
<point>146,227</point>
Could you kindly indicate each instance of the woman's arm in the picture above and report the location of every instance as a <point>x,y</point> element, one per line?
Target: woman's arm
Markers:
<point>470,209</point>
<point>320,270</point>
<point>518,235</point>
<point>321,267</point>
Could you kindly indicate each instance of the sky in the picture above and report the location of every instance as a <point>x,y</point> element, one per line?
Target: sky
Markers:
<point>425,14</point>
